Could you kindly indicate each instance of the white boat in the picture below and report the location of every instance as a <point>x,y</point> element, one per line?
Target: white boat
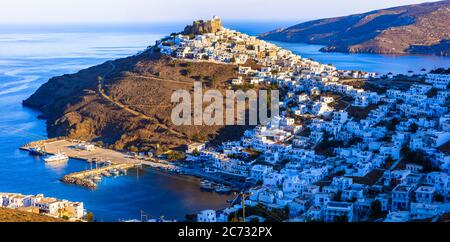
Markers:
<point>97,178</point>
<point>115,172</point>
<point>223,189</point>
<point>59,157</point>
<point>206,185</point>
<point>37,151</point>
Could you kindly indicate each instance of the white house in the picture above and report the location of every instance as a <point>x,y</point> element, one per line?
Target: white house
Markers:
<point>440,81</point>
<point>207,216</point>
<point>401,197</point>
<point>335,210</point>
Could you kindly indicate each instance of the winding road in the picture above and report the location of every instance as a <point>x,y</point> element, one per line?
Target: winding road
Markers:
<point>101,90</point>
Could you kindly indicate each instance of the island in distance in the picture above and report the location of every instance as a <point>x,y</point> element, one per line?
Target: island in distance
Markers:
<point>412,29</point>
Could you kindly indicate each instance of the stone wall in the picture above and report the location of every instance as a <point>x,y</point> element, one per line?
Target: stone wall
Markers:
<point>203,27</point>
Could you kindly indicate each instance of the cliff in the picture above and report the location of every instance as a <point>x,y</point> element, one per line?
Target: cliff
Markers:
<point>413,29</point>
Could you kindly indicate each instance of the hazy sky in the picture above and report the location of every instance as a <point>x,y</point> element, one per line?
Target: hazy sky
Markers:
<point>82,11</point>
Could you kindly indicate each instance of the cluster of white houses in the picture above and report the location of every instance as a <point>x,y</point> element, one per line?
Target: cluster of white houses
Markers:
<point>39,204</point>
<point>230,46</point>
<point>366,158</point>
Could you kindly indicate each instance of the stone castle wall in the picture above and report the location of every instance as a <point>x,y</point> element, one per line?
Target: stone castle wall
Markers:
<point>203,27</point>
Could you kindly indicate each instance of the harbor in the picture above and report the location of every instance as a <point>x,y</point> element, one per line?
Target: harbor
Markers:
<point>104,162</point>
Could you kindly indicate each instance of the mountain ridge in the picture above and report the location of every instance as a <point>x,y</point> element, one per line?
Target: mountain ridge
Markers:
<point>411,29</point>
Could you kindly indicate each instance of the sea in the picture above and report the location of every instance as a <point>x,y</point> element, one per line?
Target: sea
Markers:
<point>31,54</point>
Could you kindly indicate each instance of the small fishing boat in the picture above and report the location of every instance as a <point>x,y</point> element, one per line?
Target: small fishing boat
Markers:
<point>206,186</point>
<point>115,172</point>
<point>97,178</point>
<point>223,189</point>
<point>37,151</point>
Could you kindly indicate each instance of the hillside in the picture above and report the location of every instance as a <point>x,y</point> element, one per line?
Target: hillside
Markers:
<point>10,215</point>
<point>133,106</point>
<point>413,29</point>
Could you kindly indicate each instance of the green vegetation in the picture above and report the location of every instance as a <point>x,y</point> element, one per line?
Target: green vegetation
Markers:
<point>195,152</point>
<point>361,112</point>
<point>176,155</point>
<point>391,126</point>
<point>439,198</point>
<point>89,217</point>
<point>432,93</point>
<point>416,157</point>
<point>326,147</point>
<point>413,128</point>
<point>191,217</point>
<point>305,132</point>
<point>133,149</point>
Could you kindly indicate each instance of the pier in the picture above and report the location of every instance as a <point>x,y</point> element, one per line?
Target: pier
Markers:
<point>84,178</point>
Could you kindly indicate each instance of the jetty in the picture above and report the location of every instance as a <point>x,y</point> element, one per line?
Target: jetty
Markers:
<point>85,178</point>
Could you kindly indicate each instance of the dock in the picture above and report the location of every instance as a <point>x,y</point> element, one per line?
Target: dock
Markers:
<point>84,178</point>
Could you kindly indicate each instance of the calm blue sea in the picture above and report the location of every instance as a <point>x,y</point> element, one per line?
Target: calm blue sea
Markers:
<point>30,55</point>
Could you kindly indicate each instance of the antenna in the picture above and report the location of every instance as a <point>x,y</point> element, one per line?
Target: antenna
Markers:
<point>144,216</point>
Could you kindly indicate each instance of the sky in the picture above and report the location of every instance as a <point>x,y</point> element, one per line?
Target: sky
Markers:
<point>135,11</point>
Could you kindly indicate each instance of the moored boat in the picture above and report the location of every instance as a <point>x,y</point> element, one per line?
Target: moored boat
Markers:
<point>59,157</point>
<point>115,172</point>
<point>97,178</point>
<point>37,151</point>
<point>206,186</point>
<point>223,189</point>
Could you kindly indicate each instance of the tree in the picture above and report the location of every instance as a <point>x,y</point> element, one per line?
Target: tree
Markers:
<point>391,126</point>
<point>133,149</point>
<point>195,152</point>
<point>175,155</point>
<point>89,217</point>
<point>413,128</point>
<point>375,210</point>
<point>191,217</point>
<point>419,158</point>
<point>439,198</point>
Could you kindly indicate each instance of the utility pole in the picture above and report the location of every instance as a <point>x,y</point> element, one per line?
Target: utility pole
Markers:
<point>243,197</point>
<point>243,206</point>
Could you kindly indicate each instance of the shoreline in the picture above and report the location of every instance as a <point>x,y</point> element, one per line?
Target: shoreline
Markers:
<point>115,158</point>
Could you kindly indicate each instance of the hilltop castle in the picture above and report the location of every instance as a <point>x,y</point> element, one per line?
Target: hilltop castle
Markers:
<point>204,27</point>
